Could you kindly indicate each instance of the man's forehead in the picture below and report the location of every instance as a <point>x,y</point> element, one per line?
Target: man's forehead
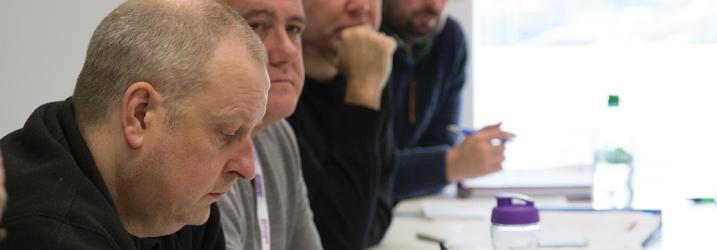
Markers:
<point>292,9</point>
<point>244,107</point>
<point>235,77</point>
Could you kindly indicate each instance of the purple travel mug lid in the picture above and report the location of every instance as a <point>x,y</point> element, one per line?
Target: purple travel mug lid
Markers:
<point>508,212</point>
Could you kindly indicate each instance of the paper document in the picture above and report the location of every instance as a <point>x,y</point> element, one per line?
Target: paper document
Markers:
<point>601,229</point>
<point>572,182</point>
<point>455,210</point>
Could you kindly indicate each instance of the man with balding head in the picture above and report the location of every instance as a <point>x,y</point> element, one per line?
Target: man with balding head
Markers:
<point>157,130</point>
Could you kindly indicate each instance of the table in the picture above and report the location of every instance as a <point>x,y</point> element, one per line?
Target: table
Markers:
<point>474,234</point>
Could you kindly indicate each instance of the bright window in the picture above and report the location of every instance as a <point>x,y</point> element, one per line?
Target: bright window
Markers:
<point>545,68</point>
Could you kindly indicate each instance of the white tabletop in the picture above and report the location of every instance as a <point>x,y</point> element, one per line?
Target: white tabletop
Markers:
<point>472,231</point>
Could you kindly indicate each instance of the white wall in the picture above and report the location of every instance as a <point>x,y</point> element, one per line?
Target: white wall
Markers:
<point>461,10</point>
<point>42,48</point>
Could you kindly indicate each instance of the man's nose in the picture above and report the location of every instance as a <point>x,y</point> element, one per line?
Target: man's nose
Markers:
<point>436,5</point>
<point>358,7</point>
<point>241,163</point>
<point>281,48</point>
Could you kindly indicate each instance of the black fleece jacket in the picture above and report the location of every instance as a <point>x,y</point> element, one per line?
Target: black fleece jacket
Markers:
<point>58,199</point>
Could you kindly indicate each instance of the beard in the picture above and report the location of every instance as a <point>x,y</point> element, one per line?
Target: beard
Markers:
<point>416,26</point>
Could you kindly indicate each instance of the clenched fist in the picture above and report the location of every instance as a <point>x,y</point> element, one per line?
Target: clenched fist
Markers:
<point>365,58</point>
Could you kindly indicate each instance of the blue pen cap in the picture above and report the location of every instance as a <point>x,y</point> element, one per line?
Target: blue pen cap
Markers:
<point>514,209</point>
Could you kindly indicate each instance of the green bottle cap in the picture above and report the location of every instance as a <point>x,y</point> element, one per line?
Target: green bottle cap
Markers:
<point>613,101</point>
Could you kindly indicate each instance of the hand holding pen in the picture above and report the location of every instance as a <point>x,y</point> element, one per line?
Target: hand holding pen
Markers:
<point>481,152</point>
<point>464,132</point>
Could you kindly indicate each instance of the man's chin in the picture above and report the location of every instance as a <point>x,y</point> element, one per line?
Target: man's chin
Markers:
<point>280,108</point>
<point>198,218</point>
<point>156,230</point>
<point>423,31</point>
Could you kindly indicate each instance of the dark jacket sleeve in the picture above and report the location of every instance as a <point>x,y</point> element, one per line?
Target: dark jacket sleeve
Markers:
<point>344,185</point>
<point>420,171</point>
<point>384,207</point>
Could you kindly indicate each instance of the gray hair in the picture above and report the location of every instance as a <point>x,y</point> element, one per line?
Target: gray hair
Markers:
<point>163,42</point>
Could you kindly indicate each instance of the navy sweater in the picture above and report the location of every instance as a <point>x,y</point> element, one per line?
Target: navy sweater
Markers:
<point>426,99</point>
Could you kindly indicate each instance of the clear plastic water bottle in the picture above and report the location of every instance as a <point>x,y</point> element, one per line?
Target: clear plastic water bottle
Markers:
<point>514,223</point>
<point>612,180</point>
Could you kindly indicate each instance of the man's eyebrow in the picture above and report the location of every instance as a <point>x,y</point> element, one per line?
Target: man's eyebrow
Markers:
<point>272,14</point>
<point>228,115</point>
<point>259,12</point>
<point>297,18</point>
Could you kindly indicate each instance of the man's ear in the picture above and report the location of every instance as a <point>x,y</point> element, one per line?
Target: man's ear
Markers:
<point>138,103</point>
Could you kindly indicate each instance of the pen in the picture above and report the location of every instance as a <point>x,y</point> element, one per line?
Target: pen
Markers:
<point>458,130</point>
<point>426,237</point>
<point>700,201</point>
<point>453,128</point>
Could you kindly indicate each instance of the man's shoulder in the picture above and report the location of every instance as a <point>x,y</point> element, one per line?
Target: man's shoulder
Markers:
<point>49,186</point>
<point>63,220</point>
<point>277,131</point>
<point>279,155</point>
<point>52,202</point>
<point>43,231</point>
<point>277,143</point>
<point>454,27</point>
<point>452,35</point>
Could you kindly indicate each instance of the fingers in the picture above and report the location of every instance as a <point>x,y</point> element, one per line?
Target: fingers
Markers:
<point>367,31</point>
<point>495,168</point>
<point>492,126</point>
<point>493,154</point>
<point>345,33</point>
<point>479,154</point>
<point>498,154</point>
<point>492,132</point>
<point>365,59</point>
<point>492,137</point>
<point>492,168</point>
<point>500,149</point>
<point>364,38</point>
